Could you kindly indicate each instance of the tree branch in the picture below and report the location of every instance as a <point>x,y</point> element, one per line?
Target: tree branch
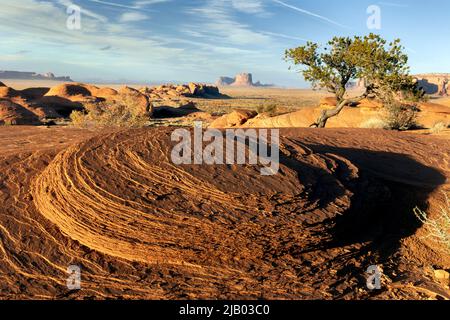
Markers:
<point>326,114</point>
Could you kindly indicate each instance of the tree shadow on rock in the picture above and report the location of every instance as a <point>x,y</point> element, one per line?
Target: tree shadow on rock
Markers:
<point>390,186</point>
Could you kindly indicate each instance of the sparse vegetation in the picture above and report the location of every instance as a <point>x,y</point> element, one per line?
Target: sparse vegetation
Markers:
<point>123,112</point>
<point>383,67</point>
<point>438,228</point>
<point>438,127</point>
<point>374,123</point>
<point>286,100</point>
<point>400,116</point>
<point>269,109</point>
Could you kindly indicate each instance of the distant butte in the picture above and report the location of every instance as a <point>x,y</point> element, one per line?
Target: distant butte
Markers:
<point>19,75</point>
<point>240,80</point>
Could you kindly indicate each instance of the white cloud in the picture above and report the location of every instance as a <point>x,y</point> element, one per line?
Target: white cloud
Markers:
<point>42,25</point>
<point>133,17</point>
<point>248,6</point>
<point>210,41</point>
<point>217,23</point>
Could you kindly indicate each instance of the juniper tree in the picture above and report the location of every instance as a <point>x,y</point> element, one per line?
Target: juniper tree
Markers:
<point>383,67</point>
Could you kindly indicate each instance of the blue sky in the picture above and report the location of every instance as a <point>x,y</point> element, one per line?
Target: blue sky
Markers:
<point>200,40</point>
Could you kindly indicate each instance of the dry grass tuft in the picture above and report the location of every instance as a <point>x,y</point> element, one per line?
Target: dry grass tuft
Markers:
<point>438,127</point>
<point>374,123</point>
<point>439,228</point>
<point>124,112</point>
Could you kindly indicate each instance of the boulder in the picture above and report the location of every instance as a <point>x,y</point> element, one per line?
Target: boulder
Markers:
<point>196,89</point>
<point>234,119</point>
<point>136,100</point>
<point>53,106</point>
<point>442,275</point>
<point>14,114</point>
<point>69,90</point>
<point>7,92</point>
<point>105,93</point>
<point>330,102</point>
<point>34,93</point>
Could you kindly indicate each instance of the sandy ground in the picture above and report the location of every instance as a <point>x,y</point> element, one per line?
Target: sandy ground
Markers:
<point>114,204</point>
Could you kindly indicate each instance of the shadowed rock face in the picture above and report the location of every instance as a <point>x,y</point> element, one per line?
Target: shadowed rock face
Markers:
<point>225,81</point>
<point>15,114</point>
<point>435,83</point>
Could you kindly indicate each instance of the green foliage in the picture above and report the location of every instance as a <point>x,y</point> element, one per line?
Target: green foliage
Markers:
<point>383,66</point>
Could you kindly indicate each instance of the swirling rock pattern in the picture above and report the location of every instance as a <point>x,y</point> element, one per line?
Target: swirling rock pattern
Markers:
<point>141,227</point>
<point>121,195</point>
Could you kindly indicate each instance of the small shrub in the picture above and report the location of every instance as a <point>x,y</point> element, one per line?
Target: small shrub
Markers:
<point>260,109</point>
<point>439,228</point>
<point>374,123</point>
<point>401,116</point>
<point>271,109</point>
<point>121,113</point>
<point>438,127</point>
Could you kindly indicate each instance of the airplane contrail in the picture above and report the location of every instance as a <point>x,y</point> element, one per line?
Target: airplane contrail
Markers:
<point>309,13</point>
<point>114,4</point>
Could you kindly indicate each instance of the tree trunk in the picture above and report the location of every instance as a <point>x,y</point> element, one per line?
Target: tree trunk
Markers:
<point>327,114</point>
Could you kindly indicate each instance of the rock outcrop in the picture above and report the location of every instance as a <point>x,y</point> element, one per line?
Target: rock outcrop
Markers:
<point>240,80</point>
<point>137,100</point>
<point>243,80</point>
<point>234,119</point>
<point>350,117</point>
<point>14,114</point>
<point>434,83</point>
<point>225,81</point>
<point>36,105</point>
<point>191,90</point>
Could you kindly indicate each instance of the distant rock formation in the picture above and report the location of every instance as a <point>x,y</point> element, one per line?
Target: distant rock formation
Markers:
<point>434,83</point>
<point>19,75</point>
<point>224,81</point>
<point>193,90</point>
<point>241,80</point>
